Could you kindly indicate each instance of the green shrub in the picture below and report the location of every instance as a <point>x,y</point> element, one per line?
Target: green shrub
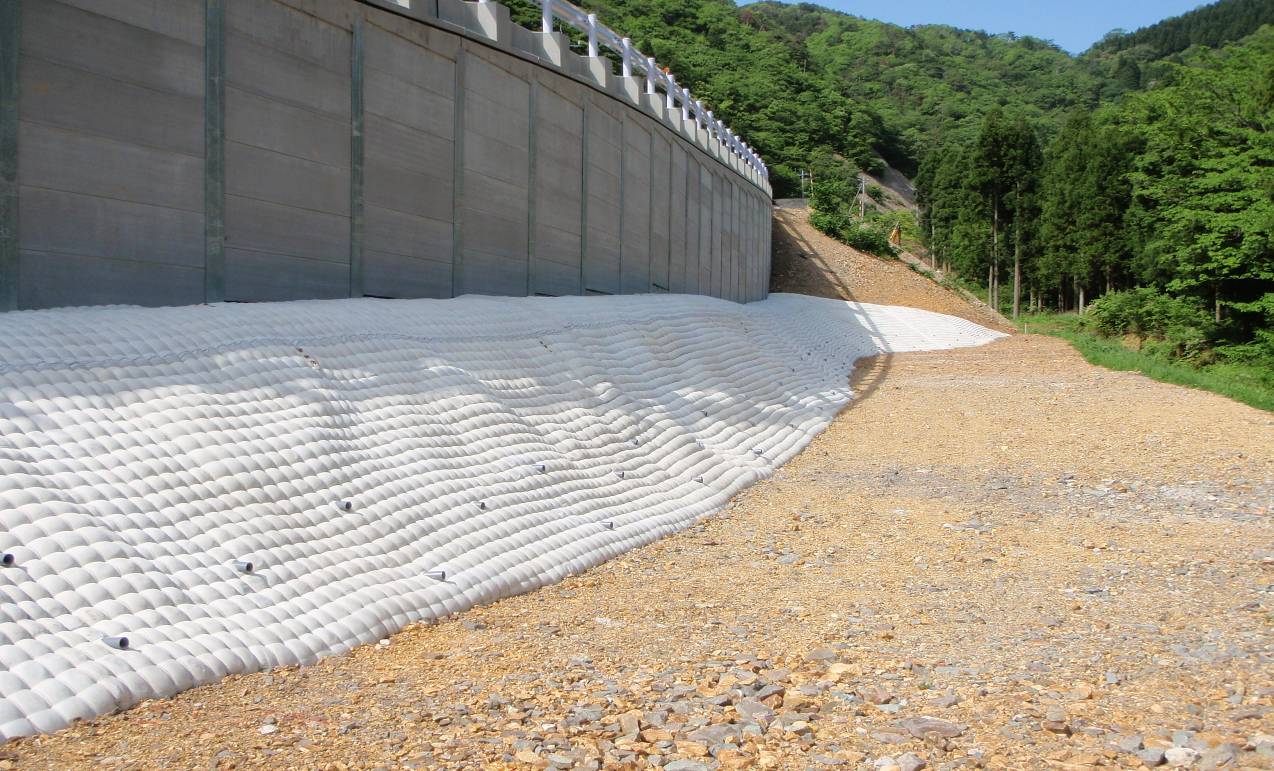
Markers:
<point>829,223</point>
<point>870,240</point>
<point>830,195</point>
<point>845,229</point>
<point>1171,327</point>
<point>876,193</point>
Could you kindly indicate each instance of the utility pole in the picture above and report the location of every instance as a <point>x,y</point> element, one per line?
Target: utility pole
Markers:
<point>862,197</point>
<point>804,174</point>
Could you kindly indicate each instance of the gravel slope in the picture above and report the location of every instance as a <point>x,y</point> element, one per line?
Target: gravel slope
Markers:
<point>808,262</point>
<point>998,557</point>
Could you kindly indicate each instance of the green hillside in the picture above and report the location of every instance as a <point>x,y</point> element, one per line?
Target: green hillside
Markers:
<point>1152,214</point>
<point>1210,25</point>
<point>922,83</point>
<point>1127,61</point>
<point>812,88</point>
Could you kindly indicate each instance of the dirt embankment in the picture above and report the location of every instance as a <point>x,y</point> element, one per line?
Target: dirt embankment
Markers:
<point>997,557</point>
<point>808,262</point>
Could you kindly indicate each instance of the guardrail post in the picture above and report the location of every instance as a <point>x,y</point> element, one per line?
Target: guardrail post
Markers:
<point>650,74</point>
<point>592,35</point>
<point>546,15</point>
<point>671,101</point>
<point>627,55</point>
<point>685,106</point>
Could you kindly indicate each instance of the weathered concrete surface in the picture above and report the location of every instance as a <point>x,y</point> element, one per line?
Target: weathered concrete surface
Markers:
<point>200,150</point>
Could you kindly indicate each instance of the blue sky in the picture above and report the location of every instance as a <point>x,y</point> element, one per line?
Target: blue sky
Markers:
<point>1072,24</point>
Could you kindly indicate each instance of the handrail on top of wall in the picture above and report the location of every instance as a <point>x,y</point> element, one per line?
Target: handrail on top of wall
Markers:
<point>632,61</point>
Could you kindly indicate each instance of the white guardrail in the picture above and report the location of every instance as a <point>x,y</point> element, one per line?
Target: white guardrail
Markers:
<point>633,61</point>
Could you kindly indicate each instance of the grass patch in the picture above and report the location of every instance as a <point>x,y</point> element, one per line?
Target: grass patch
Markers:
<point>1252,385</point>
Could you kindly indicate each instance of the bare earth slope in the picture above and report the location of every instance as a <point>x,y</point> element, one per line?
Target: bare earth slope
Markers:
<point>808,262</point>
<point>997,557</point>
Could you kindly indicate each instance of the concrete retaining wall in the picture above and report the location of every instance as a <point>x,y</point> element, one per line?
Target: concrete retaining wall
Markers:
<point>246,150</point>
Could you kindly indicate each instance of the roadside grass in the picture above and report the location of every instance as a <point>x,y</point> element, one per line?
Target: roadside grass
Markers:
<point>1251,385</point>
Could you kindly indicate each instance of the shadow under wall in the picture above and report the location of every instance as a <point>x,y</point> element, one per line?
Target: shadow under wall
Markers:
<point>798,268</point>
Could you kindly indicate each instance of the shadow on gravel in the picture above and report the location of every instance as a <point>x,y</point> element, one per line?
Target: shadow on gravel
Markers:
<point>793,255</point>
<point>868,375</point>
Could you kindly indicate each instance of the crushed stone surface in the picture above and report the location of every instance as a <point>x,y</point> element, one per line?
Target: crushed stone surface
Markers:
<point>995,557</point>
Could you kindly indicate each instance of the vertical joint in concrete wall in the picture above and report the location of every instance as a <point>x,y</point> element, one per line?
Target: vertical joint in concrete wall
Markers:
<point>623,195</point>
<point>10,41</point>
<point>650,205</point>
<point>672,150</point>
<point>583,199</point>
<point>532,184</point>
<point>457,178</point>
<point>214,187</point>
<point>356,159</point>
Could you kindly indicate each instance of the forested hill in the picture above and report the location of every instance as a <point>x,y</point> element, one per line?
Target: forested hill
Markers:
<point>817,89</point>
<point>918,83</point>
<point>1129,61</point>
<point>813,88</point>
<point>1211,25</point>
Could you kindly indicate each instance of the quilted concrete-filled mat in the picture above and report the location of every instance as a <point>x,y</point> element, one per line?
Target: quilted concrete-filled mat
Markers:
<point>191,492</point>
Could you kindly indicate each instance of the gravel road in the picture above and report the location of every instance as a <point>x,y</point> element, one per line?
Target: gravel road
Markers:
<point>995,557</point>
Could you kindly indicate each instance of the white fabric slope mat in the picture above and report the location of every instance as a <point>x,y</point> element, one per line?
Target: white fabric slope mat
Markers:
<point>379,462</point>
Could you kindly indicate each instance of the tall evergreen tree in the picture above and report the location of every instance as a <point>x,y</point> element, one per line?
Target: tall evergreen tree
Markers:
<point>1024,158</point>
<point>1084,198</point>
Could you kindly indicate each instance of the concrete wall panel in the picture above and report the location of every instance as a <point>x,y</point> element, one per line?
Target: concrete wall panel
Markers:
<point>707,223</point>
<point>693,215</point>
<point>557,194</point>
<point>495,202</point>
<point>720,268</point>
<point>635,242</point>
<point>287,157</point>
<point>408,168</point>
<point>677,220</point>
<point>110,228</point>
<point>72,161</point>
<point>603,208</point>
<point>69,98</point>
<point>285,76</point>
<point>308,34</point>
<point>265,276</point>
<point>131,52</point>
<point>732,244</point>
<point>109,155</point>
<point>54,279</point>
<point>660,195</point>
